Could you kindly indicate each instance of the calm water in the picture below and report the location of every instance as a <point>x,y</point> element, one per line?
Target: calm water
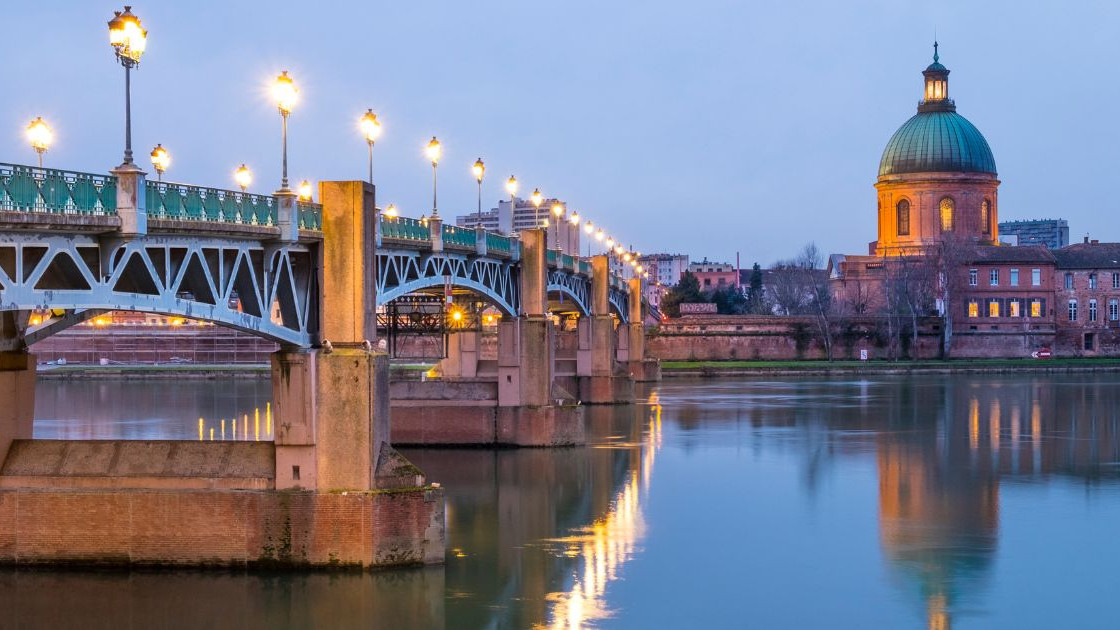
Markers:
<point>964,502</point>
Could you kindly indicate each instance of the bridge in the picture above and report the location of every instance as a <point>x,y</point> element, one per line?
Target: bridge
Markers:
<point>311,277</point>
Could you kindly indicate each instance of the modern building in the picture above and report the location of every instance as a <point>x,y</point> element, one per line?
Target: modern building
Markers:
<point>665,269</point>
<point>1051,233</point>
<point>713,275</point>
<point>510,217</point>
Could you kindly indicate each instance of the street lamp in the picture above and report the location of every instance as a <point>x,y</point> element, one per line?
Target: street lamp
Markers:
<point>161,159</point>
<point>391,211</point>
<point>537,197</point>
<point>129,41</point>
<point>305,190</point>
<point>511,188</point>
<point>285,93</point>
<point>371,129</point>
<point>573,218</point>
<point>479,169</point>
<point>587,228</point>
<point>40,135</point>
<point>243,176</point>
<point>434,151</point>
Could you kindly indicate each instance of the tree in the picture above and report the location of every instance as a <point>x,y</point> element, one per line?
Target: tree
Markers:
<point>687,290</point>
<point>729,300</point>
<point>948,257</point>
<point>756,299</point>
<point>818,296</point>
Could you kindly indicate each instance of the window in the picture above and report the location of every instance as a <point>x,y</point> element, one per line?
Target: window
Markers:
<point>986,217</point>
<point>1014,277</point>
<point>1092,310</point>
<point>947,214</point>
<point>903,217</point>
<point>1113,309</point>
<point>1069,280</point>
<point>1072,310</point>
<point>1092,281</point>
<point>1013,305</point>
<point>993,308</point>
<point>1089,341</point>
<point>973,308</point>
<point>1036,277</point>
<point>973,277</point>
<point>1036,308</point>
<point>993,277</point>
<point>1115,280</point>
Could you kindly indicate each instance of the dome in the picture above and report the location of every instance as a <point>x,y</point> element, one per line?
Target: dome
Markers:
<point>937,141</point>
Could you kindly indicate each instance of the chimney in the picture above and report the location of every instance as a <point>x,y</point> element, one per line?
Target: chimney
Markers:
<point>1094,242</point>
<point>1086,239</point>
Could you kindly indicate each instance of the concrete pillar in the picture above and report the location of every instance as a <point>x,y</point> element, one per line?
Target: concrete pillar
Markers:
<point>435,228</point>
<point>603,384</point>
<point>637,327</point>
<point>17,391</point>
<point>332,404</point>
<point>132,200</point>
<point>462,355</point>
<point>525,343</point>
<point>287,215</point>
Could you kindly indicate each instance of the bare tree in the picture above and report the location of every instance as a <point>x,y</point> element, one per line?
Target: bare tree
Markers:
<point>786,288</point>
<point>948,257</point>
<point>815,288</point>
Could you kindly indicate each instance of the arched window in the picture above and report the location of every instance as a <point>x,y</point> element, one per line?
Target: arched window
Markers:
<point>902,218</point>
<point>947,214</point>
<point>986,217</point>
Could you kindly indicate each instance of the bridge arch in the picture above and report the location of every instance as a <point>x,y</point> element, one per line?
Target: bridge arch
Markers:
<point>401,272</point>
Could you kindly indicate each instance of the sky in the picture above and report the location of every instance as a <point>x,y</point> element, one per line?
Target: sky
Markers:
<point>707,127</point>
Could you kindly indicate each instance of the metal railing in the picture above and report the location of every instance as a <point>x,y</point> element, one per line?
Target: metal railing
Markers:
<point>48,190</point>
<point>404,229</point>
<point>310,215</point>
<point>498,243</point>
<point>459,237</point>
<point>167,200</point>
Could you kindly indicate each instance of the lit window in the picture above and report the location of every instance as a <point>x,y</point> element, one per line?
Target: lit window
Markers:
<point>903,217</point>
<point>946,214</point>
<point>973,277</point>
<point>993,277</point>
<point>1072,314</point>
<point>993,308</point>
<point>1014,306</point>
<point>1092,310</point>
<point>1069,280</point>
<point>1113,309</point>
<point>985,217</point>
<point>973,308</point>
<point>1014,277</point>
<point>1036,308</point>
<point>1092,281</point>
<point>1036,277</point>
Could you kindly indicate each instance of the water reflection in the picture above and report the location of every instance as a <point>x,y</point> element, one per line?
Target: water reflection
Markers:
<point>905,492</point>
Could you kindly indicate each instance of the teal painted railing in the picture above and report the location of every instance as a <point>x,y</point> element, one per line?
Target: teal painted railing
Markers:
<point>167,200</point>
<point>550,257</point>
<point>403,229</point>
<point>310,215</point>
<point>48,190</point>
<point>567,261</point>
<point>460,237</point>
<point>498,243</point>
<point>585,267</point>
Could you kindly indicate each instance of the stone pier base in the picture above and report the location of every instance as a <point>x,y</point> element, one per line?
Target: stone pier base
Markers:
<point>221,528</point>
<point>433,424</point>
<point>646,370</point>
<point>606,390</point>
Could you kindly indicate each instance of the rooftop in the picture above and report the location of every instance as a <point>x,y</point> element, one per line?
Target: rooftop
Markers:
<point>1091,255</point>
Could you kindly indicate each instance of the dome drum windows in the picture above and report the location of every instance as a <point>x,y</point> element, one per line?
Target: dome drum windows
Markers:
<point>902,218</point>
<point>946,210</point>
<point>986,217</point>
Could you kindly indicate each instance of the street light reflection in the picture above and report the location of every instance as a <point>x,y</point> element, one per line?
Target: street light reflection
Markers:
<point>239,426</point>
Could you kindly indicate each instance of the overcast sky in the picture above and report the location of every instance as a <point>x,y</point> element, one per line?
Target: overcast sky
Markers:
<point>701,127</point>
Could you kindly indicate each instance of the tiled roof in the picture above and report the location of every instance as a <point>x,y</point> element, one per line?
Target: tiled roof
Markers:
<point>1012,254</point>
<point>1089,256</point>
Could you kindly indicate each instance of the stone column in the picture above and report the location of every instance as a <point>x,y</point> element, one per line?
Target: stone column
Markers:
<point>332,403</point>
<point>17,391</point>
<point>287,215</point>
<point>604,385</point>
<point>642,369</point>
<point>462,355</point>
<point>132,200</point>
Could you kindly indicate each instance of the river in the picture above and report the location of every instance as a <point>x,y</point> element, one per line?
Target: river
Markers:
<point>885,502</point>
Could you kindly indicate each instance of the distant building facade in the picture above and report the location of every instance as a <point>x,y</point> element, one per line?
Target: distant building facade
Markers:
<point>1050,233</point>
<point>510,217</point>
<point>714,275</point>
<point>664,269</point>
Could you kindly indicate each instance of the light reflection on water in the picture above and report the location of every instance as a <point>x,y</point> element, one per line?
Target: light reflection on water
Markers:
<point>889,502</point>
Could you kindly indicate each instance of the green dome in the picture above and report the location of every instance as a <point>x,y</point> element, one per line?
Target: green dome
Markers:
<point>940,142</point>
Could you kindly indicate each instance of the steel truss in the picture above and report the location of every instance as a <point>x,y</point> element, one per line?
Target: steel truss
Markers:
<point>265,288</point>
<point>401,272</point>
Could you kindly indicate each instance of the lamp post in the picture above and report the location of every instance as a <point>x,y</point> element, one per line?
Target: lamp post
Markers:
<point>243,176</point>
<point>285,93</point>
<point>588,229</point>
<point>371,129</point>
<point>511,188</point>
<point>161,159</point>
<point>129,41</point>
<point>305,190</point>
<point>479,169</point>
<point>434,151</point>
<point>40,136</point>
<point>391,211</point>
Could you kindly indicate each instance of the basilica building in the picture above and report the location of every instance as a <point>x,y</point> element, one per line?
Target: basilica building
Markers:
<point>937,204</point>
